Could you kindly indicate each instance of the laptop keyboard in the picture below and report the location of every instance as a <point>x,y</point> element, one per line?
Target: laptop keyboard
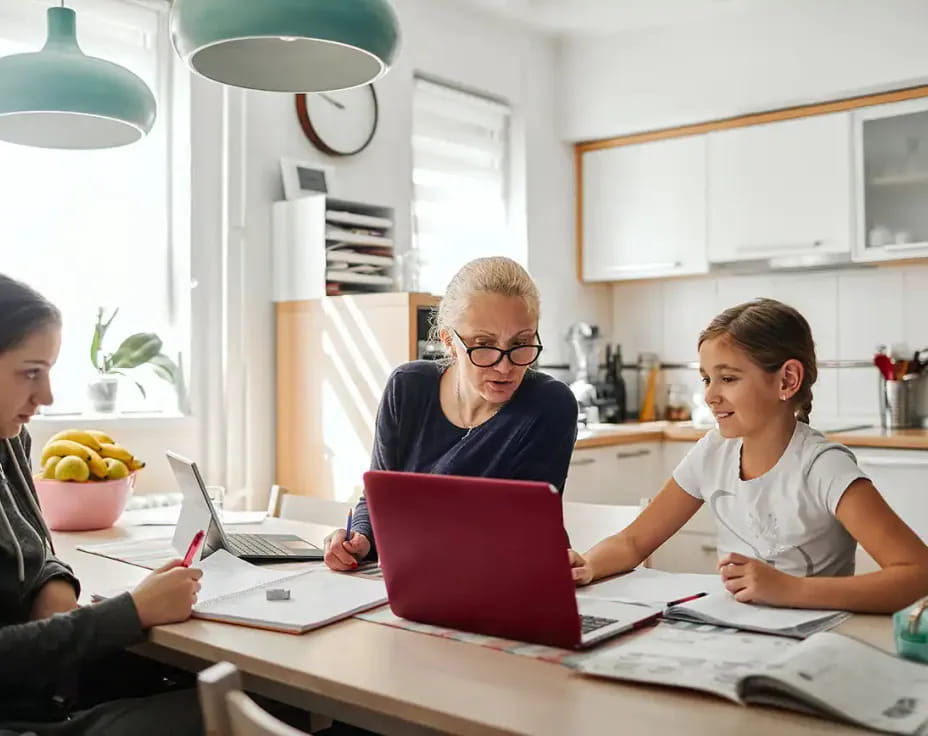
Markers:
<point>254,545</point>
<point>591,623</point>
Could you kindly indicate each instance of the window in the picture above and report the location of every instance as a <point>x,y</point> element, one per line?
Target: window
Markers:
<point>92,229</point>
<point>460,146</point>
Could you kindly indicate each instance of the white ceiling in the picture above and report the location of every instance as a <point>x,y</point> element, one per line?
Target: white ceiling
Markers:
<point>569,17</point>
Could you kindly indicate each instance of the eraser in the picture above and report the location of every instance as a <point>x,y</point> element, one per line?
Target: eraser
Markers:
<point>278,594</point>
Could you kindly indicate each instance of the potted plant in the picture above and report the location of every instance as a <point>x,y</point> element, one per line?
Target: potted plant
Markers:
<point>142,348</point>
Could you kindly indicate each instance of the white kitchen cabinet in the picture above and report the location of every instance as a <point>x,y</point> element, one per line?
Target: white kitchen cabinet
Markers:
<point>672,453</point>
<point>619,474</point>
<point>891,159</point>
<point>781,189</point>
<point>902,477</point>
<point>687,551</point>
<point>644,210</point>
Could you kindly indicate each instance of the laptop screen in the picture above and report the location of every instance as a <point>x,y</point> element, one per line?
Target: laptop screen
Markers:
<point>196,512</point>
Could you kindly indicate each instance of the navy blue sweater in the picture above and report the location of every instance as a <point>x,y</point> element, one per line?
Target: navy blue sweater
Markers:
<point>530,438</point>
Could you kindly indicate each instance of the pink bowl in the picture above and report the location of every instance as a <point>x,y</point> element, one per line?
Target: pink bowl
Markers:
<point>79,507</point>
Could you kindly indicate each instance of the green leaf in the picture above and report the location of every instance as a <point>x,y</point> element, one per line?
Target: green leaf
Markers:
<point>97,339</point>
<point>165,368</point>
<point>136,350</point>
<point>96,343</point>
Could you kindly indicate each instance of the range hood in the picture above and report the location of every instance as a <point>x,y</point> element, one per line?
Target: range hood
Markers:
<point>786,263</point>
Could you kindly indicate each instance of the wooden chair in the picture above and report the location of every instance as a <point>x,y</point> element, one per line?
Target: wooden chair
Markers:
<point>227,711</point>
<point>589,523</point>
<point>285,504</point>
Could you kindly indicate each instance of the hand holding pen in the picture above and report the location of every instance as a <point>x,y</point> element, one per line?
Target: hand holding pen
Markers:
<point>168,595</point>
<point>344,548</point>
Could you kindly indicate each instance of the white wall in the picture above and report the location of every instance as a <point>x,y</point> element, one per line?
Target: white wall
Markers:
<point>463,47</point>
<point>850,313</point>
<point>772,54</point>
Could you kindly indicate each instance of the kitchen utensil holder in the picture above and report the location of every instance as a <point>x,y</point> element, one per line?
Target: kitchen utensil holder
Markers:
<point>899,402</point>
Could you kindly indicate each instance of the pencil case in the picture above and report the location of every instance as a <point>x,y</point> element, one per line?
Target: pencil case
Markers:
<point>910,629</point>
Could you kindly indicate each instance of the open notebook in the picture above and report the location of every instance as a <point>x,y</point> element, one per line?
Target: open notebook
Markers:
<point>828,674</point>
<point>235,591</point>
<point>652,587</point>
<point>721,609</point>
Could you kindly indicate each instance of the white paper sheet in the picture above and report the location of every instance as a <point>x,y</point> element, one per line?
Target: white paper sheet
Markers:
<point>652,587</point>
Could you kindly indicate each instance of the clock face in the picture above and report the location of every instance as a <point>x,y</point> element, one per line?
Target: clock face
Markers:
<point>339,123</point>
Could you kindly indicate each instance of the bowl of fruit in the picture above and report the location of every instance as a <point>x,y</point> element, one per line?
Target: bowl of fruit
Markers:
<point>85,481</point>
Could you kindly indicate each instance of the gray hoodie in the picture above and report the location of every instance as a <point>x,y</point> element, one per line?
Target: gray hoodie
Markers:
<point>36,656</point>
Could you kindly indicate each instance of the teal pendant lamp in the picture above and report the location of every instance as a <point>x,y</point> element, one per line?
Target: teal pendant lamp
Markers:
<point>287,45</point>
<point>61,98</point>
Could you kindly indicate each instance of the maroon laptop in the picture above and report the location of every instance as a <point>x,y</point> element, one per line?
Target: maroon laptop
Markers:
<point>486,556</point>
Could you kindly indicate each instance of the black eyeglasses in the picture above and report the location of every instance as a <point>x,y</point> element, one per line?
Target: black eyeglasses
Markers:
<point>484,356</point>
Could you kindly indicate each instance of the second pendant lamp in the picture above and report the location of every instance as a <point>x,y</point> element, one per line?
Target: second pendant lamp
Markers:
<point>61,98</point>
<point>287,45</point>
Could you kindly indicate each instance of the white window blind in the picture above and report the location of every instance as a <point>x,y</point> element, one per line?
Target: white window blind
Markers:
<point>460,146</point>
<point>90,229</point>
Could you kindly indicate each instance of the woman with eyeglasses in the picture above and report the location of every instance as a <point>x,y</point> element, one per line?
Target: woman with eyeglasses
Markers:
<point>480,412</point>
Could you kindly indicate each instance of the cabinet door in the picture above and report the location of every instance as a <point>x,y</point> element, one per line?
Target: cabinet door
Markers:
<point>891,156</point>
<point>620,475</point>
<point>902,477</point>
<point>687,552</point>
<point>780,189</point>
<point>644,210</point>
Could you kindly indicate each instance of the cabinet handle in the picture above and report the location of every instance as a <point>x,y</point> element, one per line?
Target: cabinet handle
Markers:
<point>904,246</point>
<point>635,453</point>
<point>657,265</point>
<point>768,247</point>
<point>709,547</point>
<point>893,462</point>
<point>583,461</point>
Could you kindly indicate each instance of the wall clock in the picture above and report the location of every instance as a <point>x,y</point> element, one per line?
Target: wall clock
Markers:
<point>339,123</point>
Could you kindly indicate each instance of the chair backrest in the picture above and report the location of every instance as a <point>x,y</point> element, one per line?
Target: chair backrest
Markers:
<point>589,523</point>
<point>227,711</point>
<point>287,505</point>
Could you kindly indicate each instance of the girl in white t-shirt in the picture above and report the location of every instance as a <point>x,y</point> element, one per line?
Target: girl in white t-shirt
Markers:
<point>789,505</point>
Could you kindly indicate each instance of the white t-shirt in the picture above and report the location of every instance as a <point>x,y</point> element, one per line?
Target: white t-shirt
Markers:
<point>786,517</point>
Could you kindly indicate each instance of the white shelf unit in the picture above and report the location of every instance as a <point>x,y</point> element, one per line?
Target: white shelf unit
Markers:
<point>304,260</point>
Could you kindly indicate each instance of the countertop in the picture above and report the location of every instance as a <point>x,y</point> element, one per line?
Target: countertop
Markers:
<point>606,435</point>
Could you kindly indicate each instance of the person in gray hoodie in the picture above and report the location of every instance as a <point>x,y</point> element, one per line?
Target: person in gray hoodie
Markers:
<point>50,647</point>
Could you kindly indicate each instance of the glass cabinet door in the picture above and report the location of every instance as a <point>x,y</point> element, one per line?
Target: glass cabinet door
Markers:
<point>892,180</point>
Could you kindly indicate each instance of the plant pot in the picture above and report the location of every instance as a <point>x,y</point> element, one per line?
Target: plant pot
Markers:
<point>102,393</point>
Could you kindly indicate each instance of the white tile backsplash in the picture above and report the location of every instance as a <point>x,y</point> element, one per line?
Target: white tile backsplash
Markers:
<point>870,306</point>
<point>850,313</point>
<point>689,306</point>
<point>638,318</point>
<point>915,306</point>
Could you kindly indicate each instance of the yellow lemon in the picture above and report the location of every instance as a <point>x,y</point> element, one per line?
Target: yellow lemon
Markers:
<point>49,470</point>
<point>72,468</point>
<point>115,469</point>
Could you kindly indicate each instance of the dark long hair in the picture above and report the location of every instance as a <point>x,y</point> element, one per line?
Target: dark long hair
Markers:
<point>23,311</point>
<point>771,333</point>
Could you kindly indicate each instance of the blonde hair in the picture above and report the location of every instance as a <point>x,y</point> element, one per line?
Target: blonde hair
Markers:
<point>494,275</point>
<point>771,333</point>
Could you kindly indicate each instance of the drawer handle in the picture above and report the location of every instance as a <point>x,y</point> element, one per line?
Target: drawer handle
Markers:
<point>643,267</point>
<point>709,547</point>
<point>775,247</point>
<point>583,461</point>
<point>893,462</point>
<point>636,453</point>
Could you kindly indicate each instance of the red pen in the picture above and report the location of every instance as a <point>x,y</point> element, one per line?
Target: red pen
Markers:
<point>687,599</point>
<point>192,549</point>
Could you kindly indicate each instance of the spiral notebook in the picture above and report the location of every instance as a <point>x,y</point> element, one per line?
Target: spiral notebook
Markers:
<point>234,591</point>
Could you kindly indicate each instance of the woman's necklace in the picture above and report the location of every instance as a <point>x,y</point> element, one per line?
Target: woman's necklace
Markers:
<point>469,427</point>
